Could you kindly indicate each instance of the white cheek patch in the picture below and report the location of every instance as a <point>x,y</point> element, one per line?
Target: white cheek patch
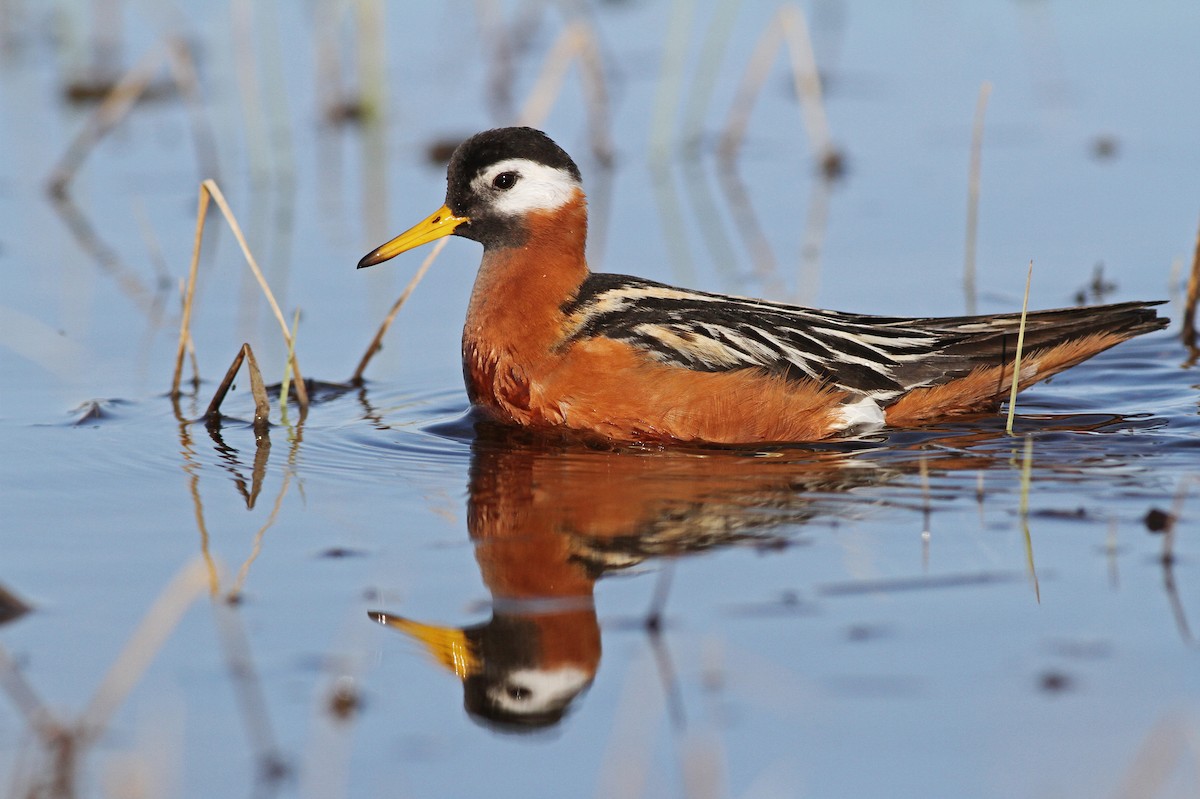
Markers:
<point>544,689</point>
<point>538,187</point>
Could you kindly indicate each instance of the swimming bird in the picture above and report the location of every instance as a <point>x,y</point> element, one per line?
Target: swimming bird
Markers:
<point>550,345</point>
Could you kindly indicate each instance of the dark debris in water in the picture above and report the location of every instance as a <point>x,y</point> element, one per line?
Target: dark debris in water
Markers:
<point>1080,514</point>
<point>345,700</point>
<point>95,410</point>
<point>348,111</point>
<point>94,88</point>
<point>1105,147</point>
<point>1053,681</point>
<point>341,552</point>
<point>859,633</point>
<point>1158,521</point>
<point>12,607</point>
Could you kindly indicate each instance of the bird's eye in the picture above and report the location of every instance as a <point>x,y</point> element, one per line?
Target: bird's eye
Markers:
<point>505,180</point>
<point>516,692</point>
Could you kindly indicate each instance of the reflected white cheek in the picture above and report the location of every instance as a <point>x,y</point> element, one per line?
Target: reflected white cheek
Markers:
<point>544,689</point>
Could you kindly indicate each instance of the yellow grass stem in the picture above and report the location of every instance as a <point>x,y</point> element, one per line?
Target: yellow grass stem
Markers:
<point>285,384</point>
<point>377,342</point>
<point>985,91</point>
<point>210,190</point>
<point>1193,298</point>
<point>189,345</point>
<point>189,292</point>
<point>1016,372</point>
<point>219,199</point>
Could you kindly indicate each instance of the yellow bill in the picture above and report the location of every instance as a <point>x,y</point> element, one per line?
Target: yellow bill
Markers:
<point>448,645</point>
<point>441,222</point>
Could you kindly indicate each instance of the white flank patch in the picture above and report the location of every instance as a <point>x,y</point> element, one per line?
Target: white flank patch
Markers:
<point>543,689</point>
<point>864,416</point>
<point>538,187</point>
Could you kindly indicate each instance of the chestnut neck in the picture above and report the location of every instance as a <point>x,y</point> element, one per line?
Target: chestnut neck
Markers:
<point>516,305</point>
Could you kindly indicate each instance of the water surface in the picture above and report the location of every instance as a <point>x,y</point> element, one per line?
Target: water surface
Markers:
<point>874,617</point>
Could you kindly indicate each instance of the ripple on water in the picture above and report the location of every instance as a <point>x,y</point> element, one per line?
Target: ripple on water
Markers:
<point>1133,403</point>
<point>360,432</point>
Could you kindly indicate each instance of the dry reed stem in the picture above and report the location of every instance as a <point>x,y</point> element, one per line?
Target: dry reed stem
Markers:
<point>787,27</point>
<point>214,406</point>
<point>377,342</point>
<point>210,190</point>
<point>576,43</point>
<point>1016,372</point>
<point>189,293</point>
<point>1193,298</point>
<point>219,198</point>
<point>262,407</point>
<point>285,383</point>
<point>189,345</point>
<point>121,99</point>
<point>985,91</point>
<point>160,620</point>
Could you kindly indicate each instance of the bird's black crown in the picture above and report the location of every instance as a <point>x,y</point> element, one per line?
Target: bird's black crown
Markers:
<point>499,144</point>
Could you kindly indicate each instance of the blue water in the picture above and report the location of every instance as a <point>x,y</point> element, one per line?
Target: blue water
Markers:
<point>829,626</point>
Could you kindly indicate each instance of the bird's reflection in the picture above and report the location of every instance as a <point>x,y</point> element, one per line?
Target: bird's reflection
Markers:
<point>549,520</point>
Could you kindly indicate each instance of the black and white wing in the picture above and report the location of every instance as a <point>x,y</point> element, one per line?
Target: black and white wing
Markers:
<point>870,356</point>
